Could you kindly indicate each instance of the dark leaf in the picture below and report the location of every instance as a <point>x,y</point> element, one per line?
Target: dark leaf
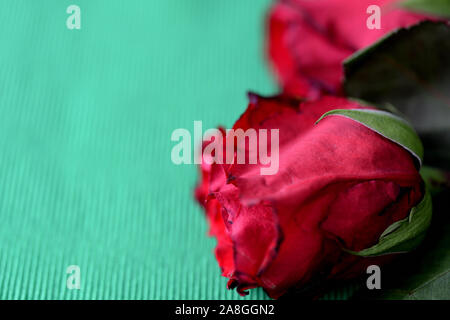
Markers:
<point>410,70</point>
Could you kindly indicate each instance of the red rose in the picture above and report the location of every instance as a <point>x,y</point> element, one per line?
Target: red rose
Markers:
<point>339,186</point>
<point>309,39</point>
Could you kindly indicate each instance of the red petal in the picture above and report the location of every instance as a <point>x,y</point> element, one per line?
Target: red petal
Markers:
<point>335,150</point>
<point>254,232</point>
<point>364,210</point>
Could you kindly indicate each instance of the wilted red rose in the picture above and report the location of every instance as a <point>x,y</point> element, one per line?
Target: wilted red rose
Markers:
<point>339,186</point>
<point>309,39</point>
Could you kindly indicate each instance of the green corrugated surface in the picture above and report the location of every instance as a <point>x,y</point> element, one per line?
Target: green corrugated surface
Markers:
<point>85,123</point>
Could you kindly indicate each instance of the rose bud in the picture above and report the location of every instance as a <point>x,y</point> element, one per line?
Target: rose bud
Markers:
<point>309,40</point>
<point>347,194</point>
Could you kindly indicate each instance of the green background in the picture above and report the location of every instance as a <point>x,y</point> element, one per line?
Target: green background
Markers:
<point>86,118</point>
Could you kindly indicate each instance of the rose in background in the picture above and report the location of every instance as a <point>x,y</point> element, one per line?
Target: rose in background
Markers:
<point>340,185</point>
<point>309,39</point>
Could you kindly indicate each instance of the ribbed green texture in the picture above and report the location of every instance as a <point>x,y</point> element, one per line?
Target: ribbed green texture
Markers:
<point>85,123</point>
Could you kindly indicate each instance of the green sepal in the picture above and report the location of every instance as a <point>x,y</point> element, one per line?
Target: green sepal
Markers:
<point>386,124</point>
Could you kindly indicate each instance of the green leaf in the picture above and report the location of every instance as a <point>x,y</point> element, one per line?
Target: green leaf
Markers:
<point>435,288</point>
<point>403,235</point>
<point>410,70</point>
<point>439,8</point>
<point>386,124</point>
